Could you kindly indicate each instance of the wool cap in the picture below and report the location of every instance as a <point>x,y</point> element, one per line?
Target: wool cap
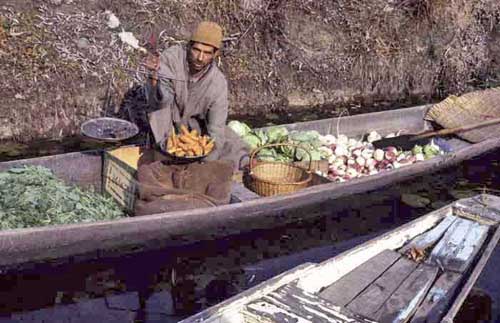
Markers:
<point>209,33</point>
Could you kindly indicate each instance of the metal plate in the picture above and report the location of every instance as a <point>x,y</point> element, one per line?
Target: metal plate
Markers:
<point>109,129</point>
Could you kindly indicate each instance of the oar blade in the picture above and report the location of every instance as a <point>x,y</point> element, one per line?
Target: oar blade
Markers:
<point>404,142</point>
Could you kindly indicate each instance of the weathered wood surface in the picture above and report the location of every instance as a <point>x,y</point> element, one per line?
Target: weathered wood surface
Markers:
<point>292,304</point>
<point>430,237</point>
<point>472,277</point>
<point>437,300</point>
<point>482,207</point>
<point>461,242</point>
<point>229,310</point>
<point>374,297</point>
<point>405,291</point>
<point>343,291</point>
<point>403,303</point>
<point>383,122</point>
<point>175,228</point>
<point>239,193</point>
<point>332,270</point>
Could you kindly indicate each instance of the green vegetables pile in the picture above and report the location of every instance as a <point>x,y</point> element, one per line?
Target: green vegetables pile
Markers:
<point>309,140</point>
<point>430,150</point>
<point>31,196</point>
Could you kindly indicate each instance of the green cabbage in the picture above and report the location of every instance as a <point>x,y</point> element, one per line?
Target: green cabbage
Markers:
<point>240,128</point>
<point>302,154</point>
<point>304,136</point>
<point>417,150</point>
<point>284,159</point>
<point>261,134</point>
<point>277,134</point>
<point>287,151</point>
<point>252,141</point>
<point>431,150</point>
<point>267,154</point>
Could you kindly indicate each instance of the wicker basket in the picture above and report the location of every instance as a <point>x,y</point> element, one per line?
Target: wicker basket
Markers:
<point>274,178</point>
<point>470,108</point>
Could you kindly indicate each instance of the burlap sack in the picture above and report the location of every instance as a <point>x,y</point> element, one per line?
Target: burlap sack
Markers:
<point>166,188</point>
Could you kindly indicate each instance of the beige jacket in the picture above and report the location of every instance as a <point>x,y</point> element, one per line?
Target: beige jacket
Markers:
<point>201,104</point>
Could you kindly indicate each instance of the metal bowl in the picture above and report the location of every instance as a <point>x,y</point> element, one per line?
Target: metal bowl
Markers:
<point>109,129</point>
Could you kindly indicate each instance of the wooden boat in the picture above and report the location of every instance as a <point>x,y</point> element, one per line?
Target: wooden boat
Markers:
<point>419,272</point>
<point>247,212</point>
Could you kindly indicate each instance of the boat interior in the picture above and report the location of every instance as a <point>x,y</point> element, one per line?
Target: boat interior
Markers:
<point>112,171</point>
<point>420,272</point>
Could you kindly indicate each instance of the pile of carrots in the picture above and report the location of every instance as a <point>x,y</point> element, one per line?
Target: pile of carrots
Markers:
<point>189,143</point>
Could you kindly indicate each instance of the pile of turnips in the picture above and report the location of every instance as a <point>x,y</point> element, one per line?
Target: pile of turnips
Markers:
<point>350,158</point>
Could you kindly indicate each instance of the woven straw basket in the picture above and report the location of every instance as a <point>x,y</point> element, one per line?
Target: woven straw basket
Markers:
<point>274,178</point>
<point>470,108</point>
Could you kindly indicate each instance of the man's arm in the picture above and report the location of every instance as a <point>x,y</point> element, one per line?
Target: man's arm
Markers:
<point>160,96</point>
<point>216,122</point>
<point>153,95</point>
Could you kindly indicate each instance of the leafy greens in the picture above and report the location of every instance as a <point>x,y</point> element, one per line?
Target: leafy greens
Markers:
<point>32,196</point>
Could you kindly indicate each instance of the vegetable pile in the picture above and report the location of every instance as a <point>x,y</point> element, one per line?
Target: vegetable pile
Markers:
<point>348,158</point>
<point>309,140</point>
<point>31,196</point>
<point>189,143</point>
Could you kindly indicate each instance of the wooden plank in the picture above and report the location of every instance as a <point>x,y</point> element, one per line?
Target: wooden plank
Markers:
<point>374,297</point>
<point>332,270</point>
<point>240,193</point>
<point>471,280</point>
<point>460,244</point>
<point>348,287</point>
<point>406,299</point>
<point>438,299</point>
<point>263,312</point>
<point>430,237</point>
<point>231,307</point>
<point>292,302</point>
<point>482,207</point>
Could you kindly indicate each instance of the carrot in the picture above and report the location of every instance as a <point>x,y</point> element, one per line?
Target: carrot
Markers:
<point>184,130</point>
<point>187,139</point>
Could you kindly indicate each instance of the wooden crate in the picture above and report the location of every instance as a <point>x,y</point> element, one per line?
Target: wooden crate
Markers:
<point>119,175</point>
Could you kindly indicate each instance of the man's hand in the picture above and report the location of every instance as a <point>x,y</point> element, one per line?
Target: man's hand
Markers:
<point>152,64</point>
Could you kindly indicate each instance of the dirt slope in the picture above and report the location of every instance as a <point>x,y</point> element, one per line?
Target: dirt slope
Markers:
<point>60,63</point>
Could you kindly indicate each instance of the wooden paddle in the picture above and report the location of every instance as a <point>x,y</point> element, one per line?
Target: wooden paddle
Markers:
<point>408,141</point>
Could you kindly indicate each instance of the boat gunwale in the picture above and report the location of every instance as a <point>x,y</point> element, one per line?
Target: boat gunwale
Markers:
<point>312,190</point>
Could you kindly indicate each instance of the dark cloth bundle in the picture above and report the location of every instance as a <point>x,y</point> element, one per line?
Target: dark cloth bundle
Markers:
<point>166,188</point>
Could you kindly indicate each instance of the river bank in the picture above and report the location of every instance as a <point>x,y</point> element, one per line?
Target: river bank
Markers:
<point>70,65</point>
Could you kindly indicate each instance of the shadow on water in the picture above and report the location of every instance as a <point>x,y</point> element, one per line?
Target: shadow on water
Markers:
<point>168,284</point>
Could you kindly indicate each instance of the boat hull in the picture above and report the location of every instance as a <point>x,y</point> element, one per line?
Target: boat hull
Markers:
<point>133,234</point>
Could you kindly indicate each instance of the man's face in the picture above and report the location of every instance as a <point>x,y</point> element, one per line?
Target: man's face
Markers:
<point>199,56</point>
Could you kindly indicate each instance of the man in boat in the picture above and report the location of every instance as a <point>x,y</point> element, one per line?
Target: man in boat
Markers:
<point>186,87</point>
